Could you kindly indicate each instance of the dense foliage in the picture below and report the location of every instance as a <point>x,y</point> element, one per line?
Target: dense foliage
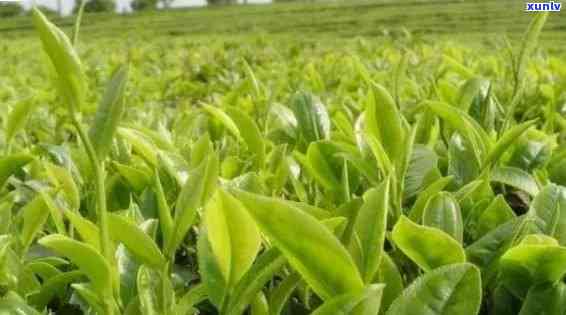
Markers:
<point>280,178</point>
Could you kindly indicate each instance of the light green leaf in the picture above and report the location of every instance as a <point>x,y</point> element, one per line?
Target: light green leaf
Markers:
<point>12,303</point>
<point>306,243</point>
<point>194,296</point>
<point>427,247</point>
<point>312,117</point>
<point>224,119</point>
<point>389,274</point>
<point>140,144</point>
<point>548,210</point>
<point>366,302</point>
<point>109,112</point>
<point>233,236</point>
<point>163,210</point>
<point>371,225</point>
<point>211,271</point>
<point>251,135</point>
<point>63,56</point>
<point>259,305</point>
<point>35,213</point>
<point>11,164</point>
<point>383,121</point>
<point>452,289</point>
<point>465,125</point>
<point>443,212</point>
<point>530,264</point>
<point>281,295</point>
<point>191,197</point>
<point>417,210</point>
<point>86,257</point>
<point>62,178</point>
<point>87,230</point>
<point>516,178</point>
<point>506,140</point>
<point>262,271</point>
<point>496,214</point>
<point>17,119</point>
<point>137,242</point>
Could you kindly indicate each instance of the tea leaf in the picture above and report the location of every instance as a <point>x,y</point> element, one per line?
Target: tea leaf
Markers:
<point>452,289</point>
<point>109,112</point>
<point>309,246</point>
<point>427,247</point>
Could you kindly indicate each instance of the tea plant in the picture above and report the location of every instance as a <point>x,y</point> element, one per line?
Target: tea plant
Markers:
<point>384,181</point>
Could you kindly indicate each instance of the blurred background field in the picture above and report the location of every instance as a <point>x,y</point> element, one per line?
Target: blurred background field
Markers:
<point>467,21</point>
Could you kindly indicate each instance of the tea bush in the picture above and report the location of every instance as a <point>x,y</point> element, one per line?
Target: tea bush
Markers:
<point>282,177</point>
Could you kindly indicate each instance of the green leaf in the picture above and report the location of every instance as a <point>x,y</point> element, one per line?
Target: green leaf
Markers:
<point>312,117</point>
<point>427,247</point>
<point>488,248</point>
<point>532,262</point>
<point>259,305</point>
<point>306,243</point>
<point>516,178</point>
<point>443,212</point>
<point>163,210</point>
<point>417,210</point>
<point>452,289</point>
<point>191,197</point>
<point>211,271</point>
<point>55,285</point>
<point>137,242</point>
<point>88,231</point>
<point>383,121</point>
<point>86,257</point>
<point>262,271</point>
<point>194,296</point>
<point>497,213</point>
<point>371,225</point>
<point>136,178</point>
<point>461,163</point>
<point>322,164</point>
<point>62,178</point>
<point>109,112</point>
<point>87,294</point>
<point>506,140</point>
<point>12,303</point>
<point>281,120</point>
<point>11,164</point>
<point>389,274</point>
<point>17,119</point>
<point>35,213</point>
<point>530,43</point>
<point>251,135</point>
<point>224,119</point>
<point>545,299</point>
<point>465,125</point>
<point>233,236</point>
<point>366,302</point>
<point>469,91</point>
<point>63,56</point>
<point>423,161</point>
<point>548,210</point>
<point>281,295</point>
<point>147,295</point>
<point>140,144</point>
